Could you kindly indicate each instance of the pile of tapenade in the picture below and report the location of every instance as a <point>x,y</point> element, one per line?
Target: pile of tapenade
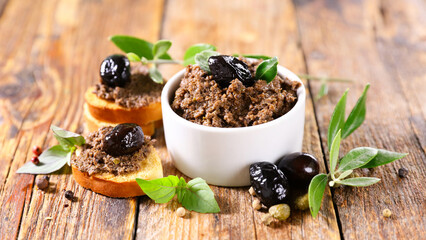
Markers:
<point>201,100</point>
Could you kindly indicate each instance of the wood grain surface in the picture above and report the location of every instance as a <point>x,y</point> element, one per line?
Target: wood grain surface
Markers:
<point>51,51</point>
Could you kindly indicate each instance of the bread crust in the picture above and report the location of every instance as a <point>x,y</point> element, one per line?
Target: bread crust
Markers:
<point>94,124</point>
<point>108,111</point>
<point>121,186</point>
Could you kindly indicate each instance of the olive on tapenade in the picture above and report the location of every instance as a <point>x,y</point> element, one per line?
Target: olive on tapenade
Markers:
<point>125,138</point>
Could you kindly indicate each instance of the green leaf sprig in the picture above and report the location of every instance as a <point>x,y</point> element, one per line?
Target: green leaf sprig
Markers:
<point>361,157</point>
<point>57,156</point>
<point>195,195</point>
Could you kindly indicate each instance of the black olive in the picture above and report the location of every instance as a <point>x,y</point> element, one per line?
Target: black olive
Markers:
<point>269,183</point>
<point>299,168</point>
<point>115,71</point>
<point>125,138</point>
<point>227,68</point>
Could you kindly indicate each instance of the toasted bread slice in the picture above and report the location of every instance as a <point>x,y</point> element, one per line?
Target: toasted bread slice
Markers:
<point>108,111</point>
<point>121,186</point>
<point>94,124</point>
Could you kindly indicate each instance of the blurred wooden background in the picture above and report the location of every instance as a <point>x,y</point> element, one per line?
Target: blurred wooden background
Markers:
<point>50,54</point>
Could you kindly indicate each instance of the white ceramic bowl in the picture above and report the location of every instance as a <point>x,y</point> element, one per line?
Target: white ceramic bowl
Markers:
<point>222,156</point>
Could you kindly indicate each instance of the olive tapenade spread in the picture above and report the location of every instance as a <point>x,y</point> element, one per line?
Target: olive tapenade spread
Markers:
<point>201,100</point>
<point>93,159</point>
<point>139,92</point>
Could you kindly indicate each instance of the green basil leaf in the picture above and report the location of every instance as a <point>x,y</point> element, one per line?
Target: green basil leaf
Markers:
<point>135,45</point>
<point>316,192</point>
<point>180,190</point>
<point>360,181</point>
<point>202,59</point>
<point>254,56</point>
<point>66,138</point>
<point>323,90</point>
<point>357,115</point>
<point>160,190</point>
<point>337,119</point>
<point>51,160</point>
<point>356,158</point>
<point>189,57</point>
<point>267,70</point>
<point>384,157</point>
<point>160,48</point>
<point>334,153</point>
<point>155,75</point>
<point>133,57</point>
<point>199,197</point>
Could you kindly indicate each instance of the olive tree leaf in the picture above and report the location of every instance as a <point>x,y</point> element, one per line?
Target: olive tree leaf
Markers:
<point>316,192</point>
<point>384,157</point>
<point>254,56</point>
<point>337,119</point>
<point>189,56</point>
<point>155,75</point>
<point>199,197</point>
<point>357,115</point>
<point>359,181</point>
<point>322,91</point>
<point>160,48</point>
<point>66,138</point>
<point>267,70</point>
<point>334,153</point>
<point>202,59</point>
<point>51,160</point>
<point>135,45</point>
<point>160,190</point>
<point>133,57</point>
<point>345,174</point>
<point>356,158</point>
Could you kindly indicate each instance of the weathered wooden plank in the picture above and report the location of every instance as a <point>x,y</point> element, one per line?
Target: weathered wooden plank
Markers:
<point>340,39</point>
<point>52,55</point>
<point>234,27</point>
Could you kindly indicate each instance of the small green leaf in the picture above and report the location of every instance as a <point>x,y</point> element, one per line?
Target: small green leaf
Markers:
<point>180,190</point>
<point>135,45</point>
<point>160,48</point>
<point>357,115</point>
<point>337,119</point>
<point>133,57</point>
<point>254,56</point>
<point>334,153</point>
<point>360,181</point>
<point>155,75</point>
<point>323,90</point>
<point>51,160</point>
<point>384,157</point>
<point>202,59</point>
<point>356,158</point>
<point>316,192</point>
<point>345,174</point>
<point>193,50</point>
<point>199,197</point>
<point>160,190</point>
<point>267,70</point>
<point>66,138</point>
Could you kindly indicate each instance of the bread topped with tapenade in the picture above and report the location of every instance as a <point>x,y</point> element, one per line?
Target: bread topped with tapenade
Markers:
<point>112,159</point>
<point>124,94</point>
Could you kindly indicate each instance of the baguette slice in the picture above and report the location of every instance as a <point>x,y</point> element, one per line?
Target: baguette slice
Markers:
<point>94,124</point>
<point>121,186</point>
<point>108,111</point>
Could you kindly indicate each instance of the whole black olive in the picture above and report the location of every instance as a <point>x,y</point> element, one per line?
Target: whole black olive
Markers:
<point>269,183</point>
<point>299,168</point>
<point>123,139</point>
<point>226,68</point>
<point>115,71</point>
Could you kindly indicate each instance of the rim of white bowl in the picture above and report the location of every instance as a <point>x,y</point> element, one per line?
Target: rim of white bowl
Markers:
<point>282,71</point>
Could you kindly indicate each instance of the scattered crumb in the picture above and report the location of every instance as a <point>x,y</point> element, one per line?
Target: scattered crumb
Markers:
<point>387,213</point>
<point>267,219</point>
<point>256,204</point>
<point>48,218</point>
<point>251,191</point>
<point>181,212</point>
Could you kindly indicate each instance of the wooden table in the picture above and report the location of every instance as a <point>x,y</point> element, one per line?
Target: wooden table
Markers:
<point>50,54</point>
